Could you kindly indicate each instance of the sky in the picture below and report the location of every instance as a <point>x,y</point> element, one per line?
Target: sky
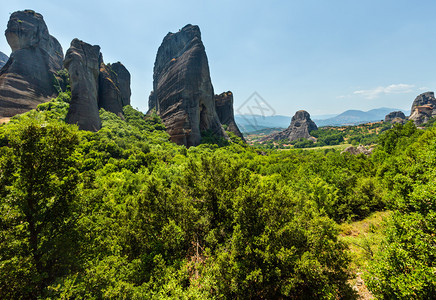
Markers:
<point>321,56</point>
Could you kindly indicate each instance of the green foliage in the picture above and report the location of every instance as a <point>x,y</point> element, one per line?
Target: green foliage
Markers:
<point>57,108</point>
<point>405,268</point>
<point>61,81</point>
<point>123,211</point>
<point>398,137</point>
<point>327,137</point>
<point>279,247</point>
<point>38,188</point>
<point>303,143</point>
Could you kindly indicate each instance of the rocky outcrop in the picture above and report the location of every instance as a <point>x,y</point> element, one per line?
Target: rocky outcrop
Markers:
<point>26,80</point>
<point>224,110</point>
<point>422,114</point>
<point>393,117</point>
<point>109,94</point>
<point>94,85</point>
<point>182,89</point>
<point>423,108</point>
<point>357,150</point>
<point>301,126</point>
<point>424,99</point>
<point>83,63</point>
<point>3,59</point>
<point>123,82</point>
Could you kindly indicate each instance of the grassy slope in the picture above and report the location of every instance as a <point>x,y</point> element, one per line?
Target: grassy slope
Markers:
<point>363,238</point>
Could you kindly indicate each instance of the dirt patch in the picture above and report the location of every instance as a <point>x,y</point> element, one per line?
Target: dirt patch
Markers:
<point>4,120</point>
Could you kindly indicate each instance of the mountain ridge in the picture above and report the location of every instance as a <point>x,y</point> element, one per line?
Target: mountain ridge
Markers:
<point>250,123</point>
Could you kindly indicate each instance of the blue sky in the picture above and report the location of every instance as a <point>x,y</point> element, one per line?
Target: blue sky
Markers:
<point>321,56</point>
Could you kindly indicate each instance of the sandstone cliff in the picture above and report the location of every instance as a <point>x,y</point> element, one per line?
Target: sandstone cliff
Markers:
<point>300,127</point>
<point>182,89</point>
<point>26,80</point>
<point>109,95</point>
<point>224,109</point>
<point>423,108</point>
<point>83,63</point>
<point>94,85</point>
<point>123,82</point>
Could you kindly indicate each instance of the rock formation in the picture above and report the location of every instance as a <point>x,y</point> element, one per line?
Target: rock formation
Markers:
<point>423,99</point>
<point>26,80</point>
<point>224,110</point>
<point>395,117</point>
<point>357,150</point>
<point>109,93</point>
<point>301,126</point>
<point>423,108</point>
<point>123,82</point>
<point>182,89</point>
<point>3,59</point>
<point>83,63</point>
<point>94,85</point>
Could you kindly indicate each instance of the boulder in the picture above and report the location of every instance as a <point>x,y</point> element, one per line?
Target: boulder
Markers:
<point>83,63</point>
<point>300,127</point>
<point>357,150</point>
<point>224,110</point>
<point>3,59</point>
<point>395,115</point>
<point>109,94</point>
<point>27,78</point>
<point>182,89</point>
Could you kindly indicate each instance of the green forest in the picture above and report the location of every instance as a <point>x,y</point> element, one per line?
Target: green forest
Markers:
<point>123,213</point>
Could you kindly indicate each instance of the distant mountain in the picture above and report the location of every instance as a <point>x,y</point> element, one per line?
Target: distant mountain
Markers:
<point>253,123</point>
<point>3,59</point>
<point>354,117</point>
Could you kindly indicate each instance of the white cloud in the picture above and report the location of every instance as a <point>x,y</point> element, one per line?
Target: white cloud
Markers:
<point>390,89</point>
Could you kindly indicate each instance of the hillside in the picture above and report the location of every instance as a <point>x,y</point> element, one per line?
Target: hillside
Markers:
<point>126,211</point>
<point>355,117</point>
<point>99,200</point>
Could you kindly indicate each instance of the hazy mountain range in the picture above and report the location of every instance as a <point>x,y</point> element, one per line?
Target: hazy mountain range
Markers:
<point>250,123</point>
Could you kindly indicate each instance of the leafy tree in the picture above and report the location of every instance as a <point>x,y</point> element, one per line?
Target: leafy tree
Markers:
<point>404,267</point>
<point>38,179</point>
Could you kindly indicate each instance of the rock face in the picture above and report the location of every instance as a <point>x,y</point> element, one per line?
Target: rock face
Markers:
<point>224,109</point>
<point>94,85</point>
<point>424,99</point>
<point>301,126</point>
<point>109,93</point>
<point>123,82</point>
<point>26,80</point>
<point>3,59</point>
<point>391,117</point>
<point>423,108</point>
<point>182,89</point>
<point>83,63</point>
